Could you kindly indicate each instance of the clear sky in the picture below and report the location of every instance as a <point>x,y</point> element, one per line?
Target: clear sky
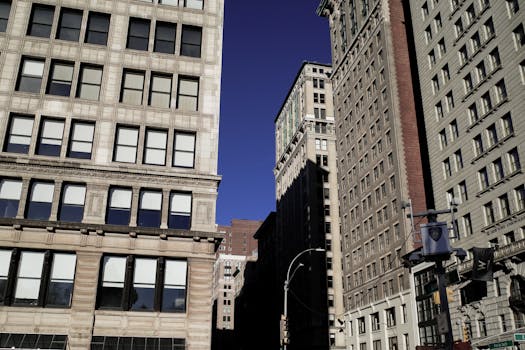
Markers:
<point>265,43</point>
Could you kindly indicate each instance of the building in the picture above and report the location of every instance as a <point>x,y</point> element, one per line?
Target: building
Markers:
<point>471,64</point>
<point>235,251</point>
<point>307,213</point>
<point>381,163</point>
<point>108,172</point>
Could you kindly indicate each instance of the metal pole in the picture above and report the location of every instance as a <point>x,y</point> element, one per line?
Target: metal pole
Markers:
<point>443,298</point>
<point>287,283</point>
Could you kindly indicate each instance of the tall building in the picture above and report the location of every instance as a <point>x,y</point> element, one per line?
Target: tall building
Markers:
<point>236,249</point>
<point>471,63</point>
<point>380,167</point>
<point>307,213</point>
<point>108,172</point>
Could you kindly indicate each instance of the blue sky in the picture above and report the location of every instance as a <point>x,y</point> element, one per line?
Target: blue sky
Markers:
<point>265,43</point>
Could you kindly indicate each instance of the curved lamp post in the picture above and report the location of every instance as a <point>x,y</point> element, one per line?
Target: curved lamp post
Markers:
<point>287,285</point>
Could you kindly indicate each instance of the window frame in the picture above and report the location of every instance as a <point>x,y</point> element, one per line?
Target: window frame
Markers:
<point>31,31</point>
<point>33,210</point>
<point>53,146</point>
<point>73,139</point>
<point>72,212</point>
<point>83,83</point>
<point>22,148</point>
<point>159,37</point>
<point>92,31</point>
<point>25,81</point>
<point>188,45</point>
<point>62,29</point>
<point>9,204</point>
<point>118,145</point>
<point>142,40</point>
<point>114,214</point>
<point>54,83</point>
<point>4,21</point>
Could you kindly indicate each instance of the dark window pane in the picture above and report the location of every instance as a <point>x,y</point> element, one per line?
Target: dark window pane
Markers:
<point>110,297</point>
<point>118,216</point>
<point>138,34</point>
<point>149,218</point>
<point>59,294</point>
<point>142,298</point>
<point>15,340</point>
<point>59,342</point>
<point>97,28</point>
<point>111,343</point>
<point>29,341</point>
<point>124,343</point>
<point>69,25</point>
<point>165,37</point>
<point>41,21</point>
<point>179,222</point>
<point>44,341</point>
<point>8,209</point>
<point>165,344</point>
<point>60,89</point>
<point>139,344</point>
<point>173,300</point>
<point>152,343</point>
<point>30,84</point>
<point>191,41</point>
<point>71,213</point>
<point>5,9</point>
<point>3,285</point>
<point>38,210</point>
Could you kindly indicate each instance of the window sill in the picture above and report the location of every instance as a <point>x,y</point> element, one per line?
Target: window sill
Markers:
<point>491,148</point>
<point>494,185</point>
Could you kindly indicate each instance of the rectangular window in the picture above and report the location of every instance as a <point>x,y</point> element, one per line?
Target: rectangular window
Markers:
<point>374,318</point>
<point>194,4</point>
<point>50,139</point>
<point>473,113</point>
<point>392,343</point>
<point>165,34</point>
<point>514,160</point>
<point>483,178</point>
<point>5,263</point>
<point>150,204</point>
<point>191,41</point>
<point>30,76</point>
<point>188,94</point>
<point>111,290</point>
<point>489,213</point>
<point>138,34</point>
<point>60,287</point>
<point>519,193</point>
<point>180,211</point>
<point>501,91</point>
<point>132,87</point>
<point>72,204</point>
<point>504,206</point>
<point>19,136</point>
<point>133,283</point>
<point>81,140</point>
<point>40,200</point>
<point>10,193</point>
<point>119,206</point>
<point>144,284</point>
<point>89,82</point>
<point>155,147</point>
<point>498,169</point>
<point>5,9</point>
<point>41,20</point>
<point>126,144</point>
<point>390,317</point>
<point>184,150</point>
<point>69,24</point>
<point>97,28</point>
<point>468,225</point>
<point>29,278</point>
<point>519,36</point>
<point>160,91</point>
<point>60,78</point>
<point>506,125</point>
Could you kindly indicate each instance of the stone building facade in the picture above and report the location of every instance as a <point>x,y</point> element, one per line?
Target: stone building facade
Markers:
<point>380,167</point>
<point>471,63</point>
<point>307,213</point>
<point>108,172</point>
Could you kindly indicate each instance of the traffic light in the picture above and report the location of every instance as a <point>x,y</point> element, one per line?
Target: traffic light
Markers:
<point>284,334</point>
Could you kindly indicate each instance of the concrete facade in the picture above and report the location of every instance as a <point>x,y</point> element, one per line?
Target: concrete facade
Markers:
<point>380,167</point>
<point>39,112</point>
<point>307,208</point>
<point>471,63</point>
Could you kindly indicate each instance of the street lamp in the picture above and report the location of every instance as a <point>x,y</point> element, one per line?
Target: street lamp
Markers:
<point>284,319</point>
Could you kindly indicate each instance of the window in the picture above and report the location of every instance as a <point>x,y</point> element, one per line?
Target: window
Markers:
<point>445,73</point>
<point>19,137</point>
<point>5,9</point>
<point>494,59</point>
<point>446,168</point>
<point>437,22</point>
<point>374,318</point>
<point>432,58</point>
<point>519,193</point>
<point>138,34</point>
<point>33,341</point>
<point>435,84</point>
<point>458,27</point>
<point>467,82</point>
<point>467,222</point>
<point>30,77</point>
<point>119,206</point>
<point>503,323</point>
<point>184,150</point>
<point>361,325</point>
<point>160,94</point>
<point>72,204</point>
<point>10,192</point>
<point>519,36</point>
<point>191,41</point>
<point>180,211</point>
<point>458,158</point>
<point>507,126</point>
<point>488,210</point>
<point>498,169</point>
<point>126,144</point>
<point>513,6</point>
<point>60,78</point>
<point>50,140</point>
<point>492,135</point>
<point>481,71</point>
<point>194,4</point>
<point>155,147</point>
<point>150,205</point>
<point>470,14</point>
<point>188,93</point>
<point>504,206</point>
<point>473,113</point>
<point>132,87</point>
<point>41,20</point>
<point>40,200</point>
<point>69,24</point>
<point>476,42</point>
<point>450,101</point>
<point>489,29</point>
<point>97,28</point>
<point>390,317</point>
<point>165,34</point>
<point>392,343</point>
<point>81,140</point>
<point>439,110</point>
<point>428,34</point>
<point>443,139</point>
<point>90,81</point>
<point>501,91</point>
<point>60,287</point>
<point>514,160</point>
<point>463,55</point>
<point>132,283</point>
<point>486,103</point>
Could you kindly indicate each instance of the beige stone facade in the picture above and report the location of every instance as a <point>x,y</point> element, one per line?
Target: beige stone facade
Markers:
<point>126,128</point>
<point>307,206</point>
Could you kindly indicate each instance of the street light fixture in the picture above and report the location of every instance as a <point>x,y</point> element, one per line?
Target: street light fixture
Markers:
<point>284,331</point>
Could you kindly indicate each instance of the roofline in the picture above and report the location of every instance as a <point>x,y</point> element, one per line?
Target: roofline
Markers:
<point>295,81</point>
